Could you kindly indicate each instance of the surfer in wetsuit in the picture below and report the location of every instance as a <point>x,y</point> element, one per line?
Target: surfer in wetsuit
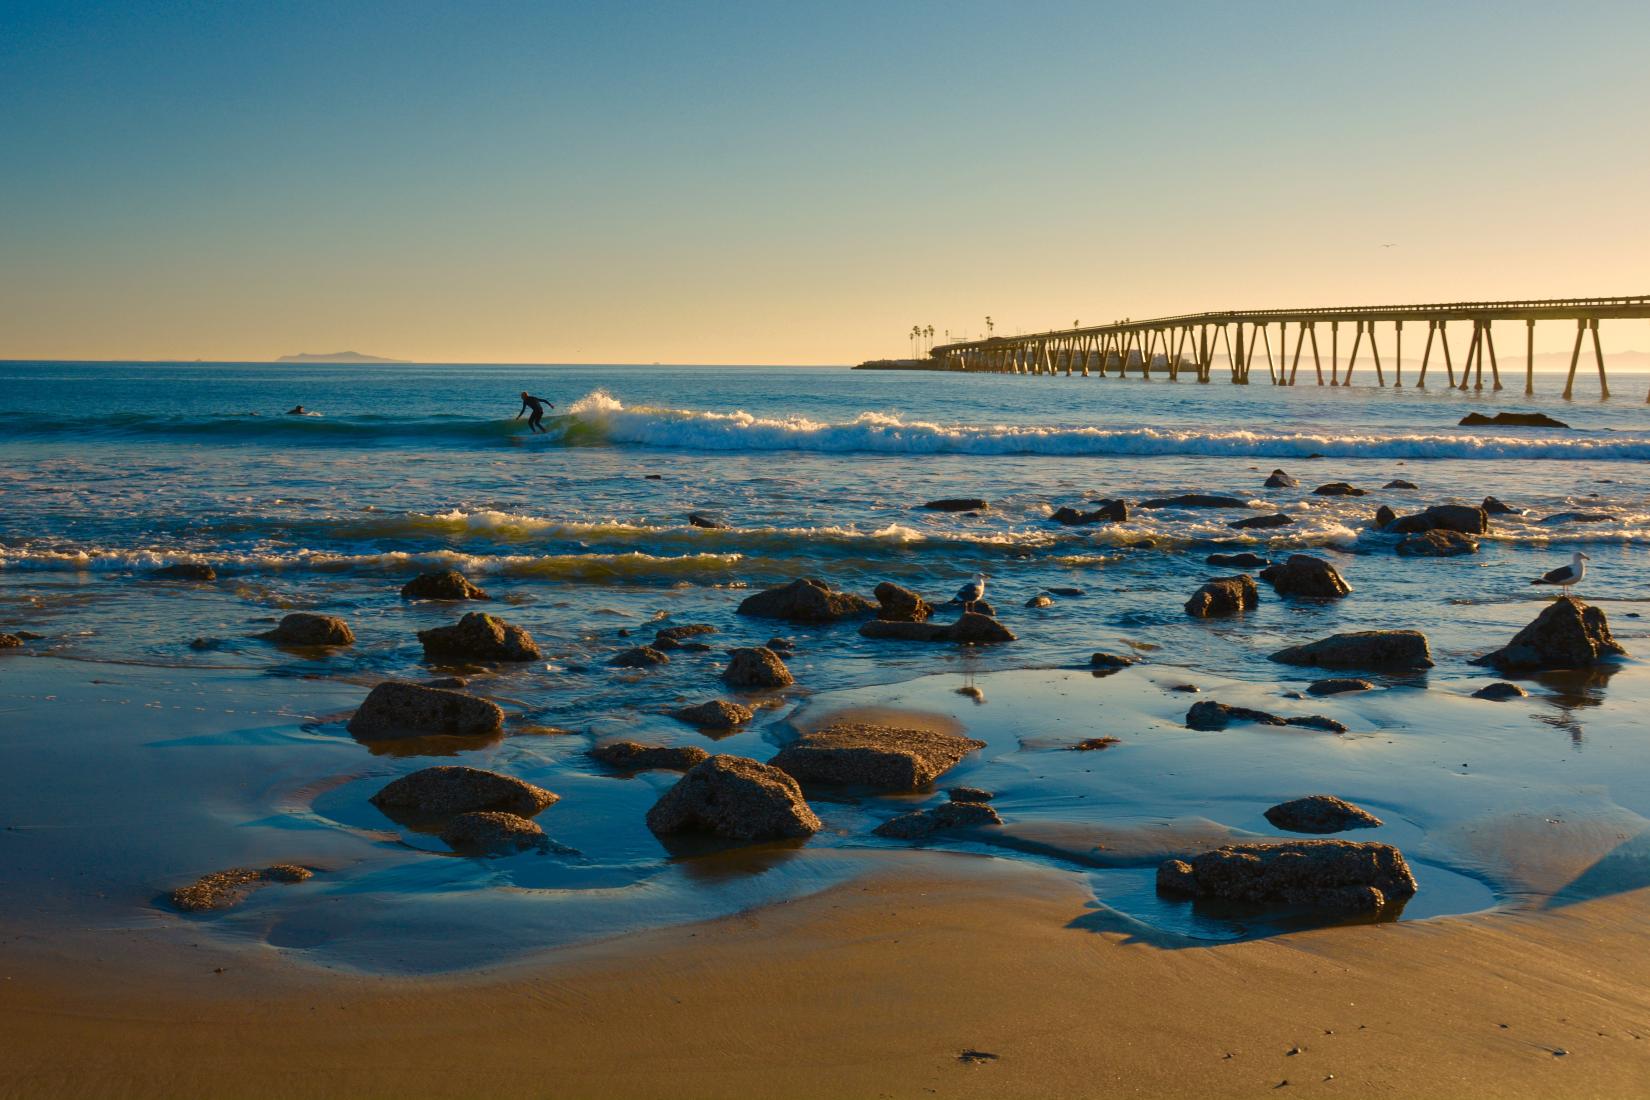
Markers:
<point>536,421</point>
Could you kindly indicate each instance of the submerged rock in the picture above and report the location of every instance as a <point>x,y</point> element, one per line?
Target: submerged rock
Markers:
<point>1337,875</point>
<point>1040,601</point>
<point>452,789</point>
<point>737,798</point>
<point>1112,660</point>
<point>1494,507</point>
<point>1195,500</point>
<point>1338,489</point>
<point>1096,744</point>
<point>1209,716</point>
<point>1514,419</point>
<point>447,585</point>
<point>972,628</point>
<point>805,600</point>
<point>1109,511</point>
<point>1577,517</point>
<point>223,889</point>
<point>958,504</point>
<point>1321,813</point>
<point>709,523</point>
<point>888,758</point>
<point>491,832</point>
<point>634,756</point>
<point>968,794</point>
<point>1224,596</point>
<point>1500,691</point>
<point>716,714</point>
<point>945,817</point>
<point>677,637</point>
<point>1393,649</point>
<point>642,656</point>
<point>1400,483</point>
<point>1467,519</point>
<point>1238,561</point>
<point>395,710</point>
<point>756,668</point>
<point>480,637</point>
<point>1338,686</point>
<point>901,605</point>
<point>1306,576</point>
<point>1568,634</point>
<point>302,628</point>
<point>1276,519</point>
<point>1437,544</point>
<point>1280,480</point>
<point>185,571</point>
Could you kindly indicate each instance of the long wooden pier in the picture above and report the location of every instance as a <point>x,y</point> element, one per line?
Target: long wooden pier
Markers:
<point>1189,343</point>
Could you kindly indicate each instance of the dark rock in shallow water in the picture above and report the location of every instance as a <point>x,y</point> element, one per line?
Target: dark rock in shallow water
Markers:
<point>452,789</point>
<point>1338,489</point>
<point>1095,744</point>
<point>1437,544</point>
<point>490,832</point>
<point>782,646</point>
<point>1336,875</point>
<point>10,641</point>
<point>901,605</point>
<point>805,600</point>
<point>1321,813</point>
<point>223,889</point>
<point>1568,634</point>
<point>1276,519</point>
<point>1395,649</point>
<point>1040,601</point>
<point>1304,575</point>
<point>756,668</point>
<point>972,628</point>
<point>185,571</point>
<point>395,710</point>
<point>945,817</point>
<point>1195,500</point>
<point>1281,480</point>
<point>448,585</point>
<point>709,523</point>
<point>1210,716</point>
<point>885,757</point>
<point>200,645</point>
<point>1399,483</point>
<point>717,714</point>
<point>633,756</point>
<point>1224,596</point>
<point>1517,420</point>
<point>480,637</point>
<point>1577,517</point>
<point>1499,691</point>
<point>643,656</point>
<point>1109,511</point>
<point>1112,660</point>
<point>1338,686</point>
<point>958,504</point>
<point>1494,507</point>
<point>737,798</point>
<point>302,628</point>
<point>1066,592</point>
<point>1384,516</point>
<point>968,794</point>
<point>1466,519</point>
<point>977,629</point>
<point>1238,561</point>
<point>672,637</point>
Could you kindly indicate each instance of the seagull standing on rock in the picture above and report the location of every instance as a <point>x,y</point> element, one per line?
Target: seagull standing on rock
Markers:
<point>1566,575</point>
<point>972,593</point>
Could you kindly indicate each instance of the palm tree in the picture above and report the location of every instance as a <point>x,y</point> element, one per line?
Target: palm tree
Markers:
<point>990,326</point>
<point>929,332</point>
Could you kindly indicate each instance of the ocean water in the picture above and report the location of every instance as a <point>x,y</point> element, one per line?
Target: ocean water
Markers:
<point>109,471</point>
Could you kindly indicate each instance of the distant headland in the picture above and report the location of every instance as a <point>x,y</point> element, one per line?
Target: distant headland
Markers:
<point>335,357</point>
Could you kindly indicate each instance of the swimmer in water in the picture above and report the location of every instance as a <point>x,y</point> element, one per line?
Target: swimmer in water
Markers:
<point>536,421</point>
<point>297,410</point>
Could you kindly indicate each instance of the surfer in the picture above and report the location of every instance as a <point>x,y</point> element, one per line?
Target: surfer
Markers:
<point>297,410</point>
<point>536,421</point>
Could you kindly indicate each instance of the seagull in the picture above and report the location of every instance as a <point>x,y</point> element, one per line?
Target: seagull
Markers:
<point>972,593</point>
<point>1566,575</point>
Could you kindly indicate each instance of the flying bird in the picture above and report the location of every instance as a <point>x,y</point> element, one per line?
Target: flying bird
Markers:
<point>1566,575</point>
<point>972,593</point>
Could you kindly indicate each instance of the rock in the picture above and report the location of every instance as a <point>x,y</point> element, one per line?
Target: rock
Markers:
<point>1568,634</point>
<point>981,607</point>
<point>642,656</point>
<point>1517,420</point>
<point>1195,500</point>
<point>1276,519</point>
<point>1494,507</point>
<point>305,629</point>
<point>958,504</point>
<point>1112,660</point>
<point>448,585</point>
<point>1384,516</point>
<point>28,636</point>
<point>1577,517</point>
<point>1238,561</point>
<point>942,818</point>
<point>805,601</point>
<point>901,605</point>
<point>633,756</point>
<point>859,754</point>
<point>10,641</point>
<point>1095,744</point>
<point>1339,875</point>
<point>395,710</point>
<point>490,832</point>
<point>756,668</point>
<point>737,798</point>
<point>1109,511</point>
<point>1437,544</point>
<point>1393,649</point>
<point>716,714</point>
<point>782,646</point>
<point>977,629</point>
<point>1321,813</point>
<point>709,523</point>
<point>968,794</point>
<point>185,571</point>
<point>1399,483</point>
<point>1281,480</point>
<point>480,637</point>
<point>1209,716</point>
<point>222,889</point>
<point>1174,877</point>
<point>451,789</point>
<point>1040,601</point>
<point>1224,596</point>
<point>1467,519</point>
<point>906,632</point>
<point>1304,575</point>
<point>204,644</point>
<point>1338,686</point>
<point>1070,593</point>
<point>672,636</point>
<point>1500,691</point>
<point>451,682</point>
<point>1338,489</point>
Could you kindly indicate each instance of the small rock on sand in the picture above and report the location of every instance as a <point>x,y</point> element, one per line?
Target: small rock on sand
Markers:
<point>901,605</point>
<point>1338,686</point>
<point>185,571</point>
<point>491,832</point>
<point>1437,544</point>
<point>1320,813</point>
<point>945,817</point>
<point>887,758</point>
<point>958,504</point>
<point>452,789</point>
<point>1111,660</point>
<point>1338,489</point>
<point>446,585</point>
<point>1224,596</point>
<point>302,628</point>
<point>1379,649</point>
<point>737,798</point>
<point>805,600</point>
<point>222,889</point>
<point>394,710</point>
<point>756,668</point>
<point>1336,875</point>
<point>1568,634</point>
<point>1305,576</point>
<point>1095,744</point>
<point>1500,691</point>
<point>633,756</point>
<point>716,714</point>
<point>642,656</point>
<point>1281,480</point>
<point>480,637</point>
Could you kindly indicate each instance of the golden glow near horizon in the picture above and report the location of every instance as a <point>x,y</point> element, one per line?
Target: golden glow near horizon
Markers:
<point>737,184</point>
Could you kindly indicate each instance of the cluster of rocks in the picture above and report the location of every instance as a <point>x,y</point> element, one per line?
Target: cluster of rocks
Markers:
<point>223,889</point>
<point>1340,875</point>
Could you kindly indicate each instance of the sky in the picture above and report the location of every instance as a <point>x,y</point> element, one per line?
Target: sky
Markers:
<point>614,182</point>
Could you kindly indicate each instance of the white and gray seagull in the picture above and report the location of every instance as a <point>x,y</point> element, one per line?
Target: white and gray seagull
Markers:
<point>1566,575</point>
<point>972,593</point>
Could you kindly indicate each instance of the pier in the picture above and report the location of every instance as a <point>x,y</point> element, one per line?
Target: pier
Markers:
<point>1190,343</point>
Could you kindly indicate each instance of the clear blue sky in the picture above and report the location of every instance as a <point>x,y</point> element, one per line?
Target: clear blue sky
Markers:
<point>788,182</point>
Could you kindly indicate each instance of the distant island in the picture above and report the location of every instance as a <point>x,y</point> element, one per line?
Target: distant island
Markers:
<point>335,357</point>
